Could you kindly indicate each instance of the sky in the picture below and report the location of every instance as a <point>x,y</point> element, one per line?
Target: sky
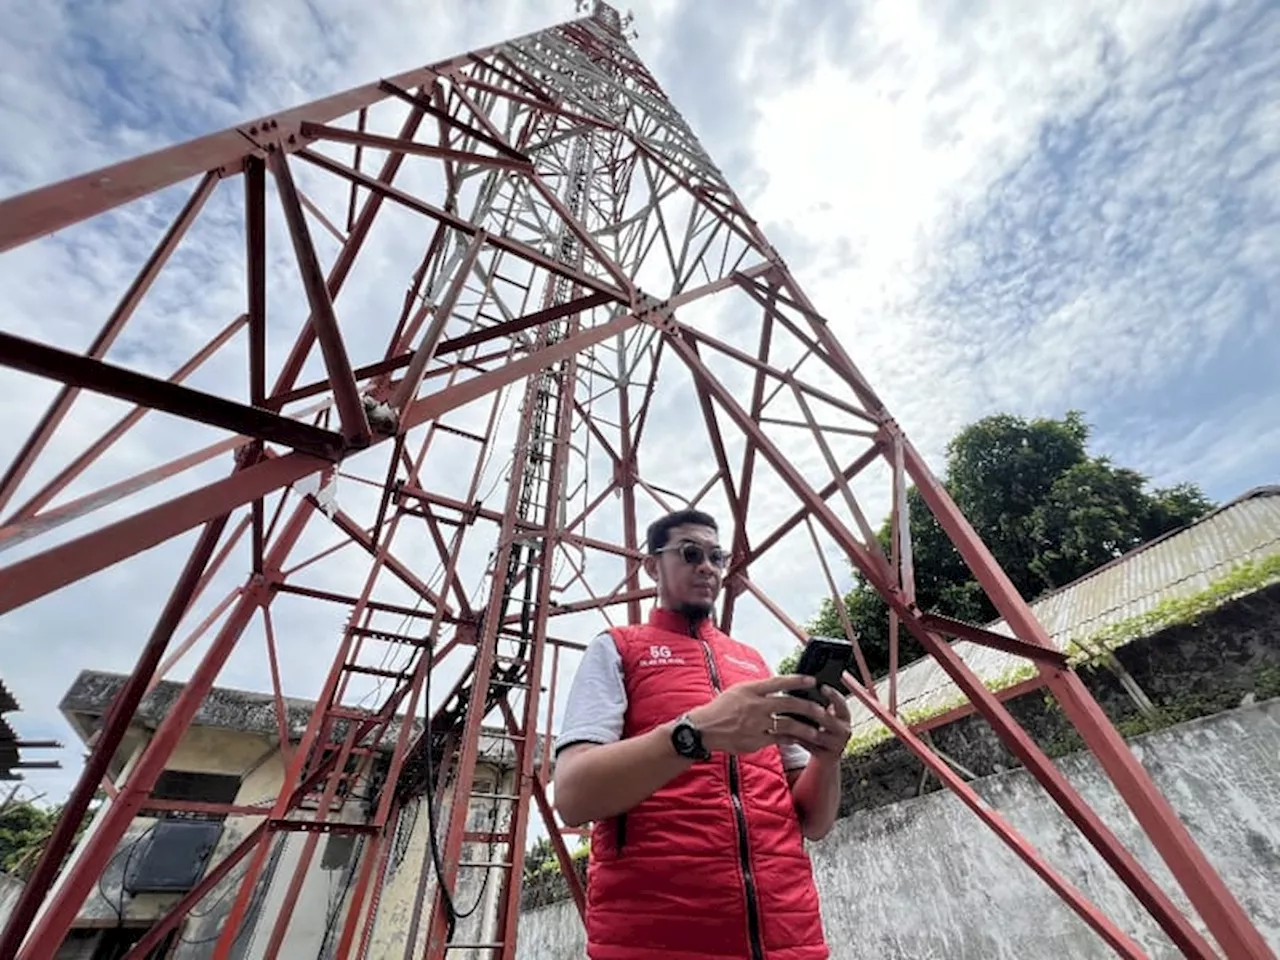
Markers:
<point>1000,207</point>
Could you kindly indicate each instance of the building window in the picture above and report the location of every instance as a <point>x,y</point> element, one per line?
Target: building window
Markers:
<point>172,857</point>
<point>186,786</point>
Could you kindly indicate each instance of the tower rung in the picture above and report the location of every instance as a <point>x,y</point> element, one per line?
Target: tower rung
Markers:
<point>506,736</point>
<point>342,713</point>
<point>376,672</point>
<point>459,432</point>
<point>388,637</point>
<point>514,661</point>
<point>488,864</point>
<point>510,684</point>
<point>491,838</point>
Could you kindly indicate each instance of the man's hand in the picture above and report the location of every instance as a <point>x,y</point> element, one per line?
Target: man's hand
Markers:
<point>827,743</point>
<point>742,718</point>
<point>817,790</point>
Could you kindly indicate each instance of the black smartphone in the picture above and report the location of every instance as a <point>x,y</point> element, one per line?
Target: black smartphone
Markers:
<point>824,658</point>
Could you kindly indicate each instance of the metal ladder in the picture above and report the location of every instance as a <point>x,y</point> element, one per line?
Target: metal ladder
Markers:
<point>516,661</point>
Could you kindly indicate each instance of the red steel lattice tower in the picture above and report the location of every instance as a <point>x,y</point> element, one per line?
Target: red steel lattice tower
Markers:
<point>590,317</point>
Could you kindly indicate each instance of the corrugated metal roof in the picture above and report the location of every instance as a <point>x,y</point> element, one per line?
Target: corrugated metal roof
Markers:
<point>1180,564</point>
<point>9,758</point>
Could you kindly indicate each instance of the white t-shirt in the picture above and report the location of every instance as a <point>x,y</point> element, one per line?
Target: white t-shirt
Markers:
<point>597,703</point>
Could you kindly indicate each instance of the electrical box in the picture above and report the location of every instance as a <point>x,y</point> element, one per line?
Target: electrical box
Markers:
<point>172,858</point>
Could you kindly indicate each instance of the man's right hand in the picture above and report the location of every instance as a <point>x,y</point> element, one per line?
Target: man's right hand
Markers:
<point>740,719</point>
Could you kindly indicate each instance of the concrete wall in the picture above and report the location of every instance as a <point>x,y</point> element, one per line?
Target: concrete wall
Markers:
<point>923,878</point>
<point>315,922</point>
<point>245,755</point>
<point>259,763</point>
<point>10,890</point>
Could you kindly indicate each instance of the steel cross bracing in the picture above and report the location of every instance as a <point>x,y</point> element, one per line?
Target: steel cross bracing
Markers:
<point>457,474</point>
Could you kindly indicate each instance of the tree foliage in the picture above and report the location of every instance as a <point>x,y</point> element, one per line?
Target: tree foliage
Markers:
<point>1047,510</point>
<point>25,827</point>
<point>539,858</point>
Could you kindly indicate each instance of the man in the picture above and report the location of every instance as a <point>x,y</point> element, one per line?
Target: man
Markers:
<point>699,793</point>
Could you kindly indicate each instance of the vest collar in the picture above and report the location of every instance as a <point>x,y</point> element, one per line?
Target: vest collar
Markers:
<point>675,622</point>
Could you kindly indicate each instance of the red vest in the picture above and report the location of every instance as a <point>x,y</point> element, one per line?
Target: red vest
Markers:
<point>713,865</point>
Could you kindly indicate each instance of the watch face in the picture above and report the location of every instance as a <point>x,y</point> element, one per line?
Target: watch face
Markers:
<point>684,739</point>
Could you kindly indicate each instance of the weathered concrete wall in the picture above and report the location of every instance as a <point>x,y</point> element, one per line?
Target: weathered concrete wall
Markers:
<point>923,877</point>
<point>205,751</point>
<point>256,760</point>
<point>1229,657</point>
<point>10,890</point>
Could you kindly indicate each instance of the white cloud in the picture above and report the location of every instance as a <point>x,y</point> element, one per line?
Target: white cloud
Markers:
<point>972,258</point>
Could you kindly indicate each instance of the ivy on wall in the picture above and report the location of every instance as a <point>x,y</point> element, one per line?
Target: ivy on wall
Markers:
<point>1243,578</point>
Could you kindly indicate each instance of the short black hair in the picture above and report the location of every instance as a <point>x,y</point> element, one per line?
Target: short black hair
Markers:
<point>660,529</point>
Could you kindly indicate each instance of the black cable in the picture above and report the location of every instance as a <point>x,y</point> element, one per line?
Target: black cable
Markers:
<point>226,889</point>
<point>450,913</point>
<point>127,852</point>
<point>484,884</point>
<point>511,677</point>
<point>335,907</point>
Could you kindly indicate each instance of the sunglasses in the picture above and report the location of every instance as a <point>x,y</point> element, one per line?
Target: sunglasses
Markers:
<point>695,554</point>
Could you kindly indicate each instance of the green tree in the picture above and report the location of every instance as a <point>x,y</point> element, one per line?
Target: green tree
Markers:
<point>1048,512</point>
<point>539,857</point>
<point>25,827</point>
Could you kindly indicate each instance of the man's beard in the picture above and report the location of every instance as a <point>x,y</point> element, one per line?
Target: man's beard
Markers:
<point>696,611</point>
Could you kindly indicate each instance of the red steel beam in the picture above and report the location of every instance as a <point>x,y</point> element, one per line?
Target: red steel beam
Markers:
<point>17,531</point>
<point>165,396</point>
<point>1115,938</point>
<point>319,131</point>
<point>48,209</point>
<point>46,939</point>
<point>215,875</point>
<point>741,546</point>
<point>511,327</point>
<point>29,579</point>
<point>522,250</point>
<point>509,908</point>
<point>1201,883</point>
<point>355,422</point>
<point>10,218</point>
<point>986,638</point>
<point>408,387</point>
<point>341,269</point>
<point>1100,836</point>
<point>122,426</point>
<point>449,120</point>
<point>35,576</point>
<point>101,845</point>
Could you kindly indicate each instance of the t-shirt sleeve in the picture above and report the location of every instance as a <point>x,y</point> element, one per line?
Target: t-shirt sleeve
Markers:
<point>597,701</point>
<point>794,756</point>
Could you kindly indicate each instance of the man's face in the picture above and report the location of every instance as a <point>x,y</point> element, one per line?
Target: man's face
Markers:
<point>684,585</point>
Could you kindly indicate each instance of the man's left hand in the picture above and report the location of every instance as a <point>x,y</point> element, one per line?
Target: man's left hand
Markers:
<point>828,742</point>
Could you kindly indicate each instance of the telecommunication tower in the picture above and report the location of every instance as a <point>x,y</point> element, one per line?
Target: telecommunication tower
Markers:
<point>591,329</point>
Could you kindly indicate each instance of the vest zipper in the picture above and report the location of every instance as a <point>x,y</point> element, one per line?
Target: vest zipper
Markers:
<point>744,851</point>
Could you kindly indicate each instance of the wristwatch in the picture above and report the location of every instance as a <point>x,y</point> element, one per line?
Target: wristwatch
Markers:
<point>688,741</point>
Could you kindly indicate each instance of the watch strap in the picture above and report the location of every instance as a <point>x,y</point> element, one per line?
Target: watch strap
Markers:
<point>687,740</point>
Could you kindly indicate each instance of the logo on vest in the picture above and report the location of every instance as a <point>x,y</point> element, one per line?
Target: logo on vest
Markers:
<point>744,664</point>
<point>660,656</point>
